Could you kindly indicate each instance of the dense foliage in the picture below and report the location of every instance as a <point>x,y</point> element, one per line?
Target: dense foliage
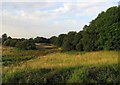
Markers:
<point>41,40</point>
<point>40,66</point>
<point>103,33</point>
<point>72,67</point>
<point>25,44</point>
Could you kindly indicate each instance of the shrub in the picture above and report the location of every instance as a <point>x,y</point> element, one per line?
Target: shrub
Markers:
<point>79,46</point>
<point>4,38</point>
<point>13,43</point>
<point>102,75</point>
<point>7,42</point>
<point>26,45</point>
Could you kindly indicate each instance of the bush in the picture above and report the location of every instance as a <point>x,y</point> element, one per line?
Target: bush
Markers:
<point>79,46</point>
<point>38,76</point>
<point>26,45</point>
<point>8,60</point>
<point>4,38</point>
<point>67,46</point>
<point>102,75</point>
<point>7,42</point>
<point>13,43</point>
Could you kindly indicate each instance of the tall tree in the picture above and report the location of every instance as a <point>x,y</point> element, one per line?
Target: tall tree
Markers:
<point>68,41</point>
<point>53,40</point>
<point>4,38</point>
<point>60,39</point>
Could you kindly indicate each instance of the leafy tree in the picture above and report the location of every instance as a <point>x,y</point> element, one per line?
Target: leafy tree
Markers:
<point>53,40</point>
<point>41,40</point>
<point>7,42</point>
<point>31,40</point>
<point>86,41</point>
<point>60,39</point>
<point>85,27</point>
<point>0,40</point>
<point>68,41</point>
<point>77,38</point>
<point>26,45</point>
<point>9,37</point>
<point>103,32</point>
<point>13,43</point>
<point>22,39</point>
<point>37,39</point>
<point>79,46</point>
<point>44,40</point>
<point>4,37</point>
<point>67,46</point>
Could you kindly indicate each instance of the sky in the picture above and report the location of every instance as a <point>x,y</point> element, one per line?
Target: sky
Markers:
<point>46,18</point>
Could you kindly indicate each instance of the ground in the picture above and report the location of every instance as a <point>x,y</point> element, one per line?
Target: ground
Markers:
<point>49,65</point>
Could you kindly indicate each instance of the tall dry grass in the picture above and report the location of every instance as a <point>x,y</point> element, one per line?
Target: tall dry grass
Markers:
<point>63,60</point>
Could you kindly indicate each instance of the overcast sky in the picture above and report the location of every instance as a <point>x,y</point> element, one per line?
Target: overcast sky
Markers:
<point>49,17</point>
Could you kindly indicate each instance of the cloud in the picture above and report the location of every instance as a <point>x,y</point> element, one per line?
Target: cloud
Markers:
<point>66,7</point>
<point>46,18</point>
<point>86,8</point>
<point>28,16</point>
<point>59,1</point>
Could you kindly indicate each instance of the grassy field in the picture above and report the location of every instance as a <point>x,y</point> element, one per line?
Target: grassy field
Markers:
<point>49,65</point>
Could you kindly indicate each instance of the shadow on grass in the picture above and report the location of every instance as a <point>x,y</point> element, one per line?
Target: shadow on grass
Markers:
<point>107,74</point>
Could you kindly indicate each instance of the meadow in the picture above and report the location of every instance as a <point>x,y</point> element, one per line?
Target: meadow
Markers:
<point>49,65</point>
<point>86,56</point>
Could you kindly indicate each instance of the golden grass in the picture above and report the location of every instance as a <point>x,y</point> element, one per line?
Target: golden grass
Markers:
<point>62,60</point>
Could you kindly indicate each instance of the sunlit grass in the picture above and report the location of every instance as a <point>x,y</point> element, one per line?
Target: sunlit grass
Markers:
<point>68,64</point>
<point>63,60</point>
<point>47,65</point>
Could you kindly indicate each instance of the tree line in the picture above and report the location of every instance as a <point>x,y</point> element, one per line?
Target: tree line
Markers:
<point>103,33</point>
<point>26,44</point>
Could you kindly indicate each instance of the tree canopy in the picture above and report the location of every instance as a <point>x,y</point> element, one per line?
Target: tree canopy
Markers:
<point>103,33</point>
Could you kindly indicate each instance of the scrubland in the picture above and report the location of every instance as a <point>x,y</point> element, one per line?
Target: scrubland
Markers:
<point>50,65</point>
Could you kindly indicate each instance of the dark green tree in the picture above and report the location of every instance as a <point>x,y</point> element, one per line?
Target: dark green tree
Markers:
<point>77,38</point>
<point>79,46</point>
<point>68,41</point>
<point>13,42</point>
<point>7,42</point>
<point>26,45</point>
<point>53,40</point>
<point>4,38</point>
<point>41,40</point>
<point>60,39</point>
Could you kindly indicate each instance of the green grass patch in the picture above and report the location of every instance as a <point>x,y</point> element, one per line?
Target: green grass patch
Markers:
<point>55,67</point>
<point>11,55</point>
<point>8,60</point>
<point>100,75</point>
<point>38,76</point>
